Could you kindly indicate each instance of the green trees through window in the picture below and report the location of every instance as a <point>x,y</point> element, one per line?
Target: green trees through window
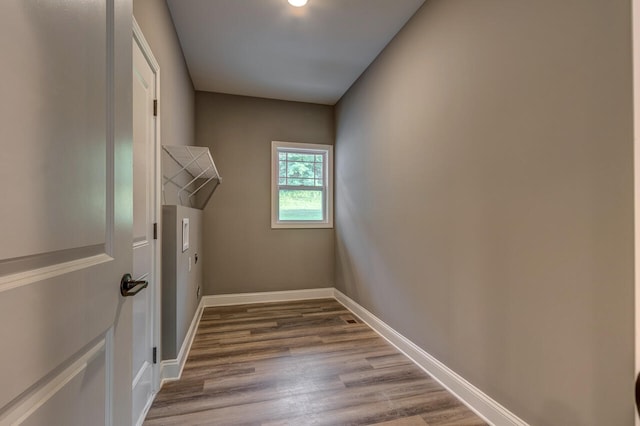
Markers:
<point>300,205</point>
<point>298,169</point>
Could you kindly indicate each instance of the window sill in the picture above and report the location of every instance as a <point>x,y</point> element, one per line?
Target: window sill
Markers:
<point>301,225</point>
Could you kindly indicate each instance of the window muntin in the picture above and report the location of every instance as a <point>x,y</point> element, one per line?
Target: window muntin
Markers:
<point>301,188</point>
<point>300,168</point>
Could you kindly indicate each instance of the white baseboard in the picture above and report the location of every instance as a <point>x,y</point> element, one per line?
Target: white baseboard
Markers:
<point>145,410</point>
<point>479,402</point>
<point>270,296</point>
<point>171,369</point>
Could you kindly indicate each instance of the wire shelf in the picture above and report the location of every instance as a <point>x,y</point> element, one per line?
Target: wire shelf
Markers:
<point>196,171</point>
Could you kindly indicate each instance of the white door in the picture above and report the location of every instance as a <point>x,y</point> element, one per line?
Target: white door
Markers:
<point>145,210</point>
<point>65,212</point>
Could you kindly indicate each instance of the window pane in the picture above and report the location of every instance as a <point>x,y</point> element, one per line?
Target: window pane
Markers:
<point>282,181</point>
<point>282,156</point>
<point>296,156</point>
<point>319,182</point>
<point>318,170</point>
<point>300,205</point>
<point>319,158</point>
<point>300,170</point>
<point>283,168</point>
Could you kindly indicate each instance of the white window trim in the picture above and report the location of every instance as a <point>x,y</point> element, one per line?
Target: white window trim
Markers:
<point>328,222</point>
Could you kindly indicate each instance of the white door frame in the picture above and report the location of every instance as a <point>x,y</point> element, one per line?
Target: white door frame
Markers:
<point>138,37</point>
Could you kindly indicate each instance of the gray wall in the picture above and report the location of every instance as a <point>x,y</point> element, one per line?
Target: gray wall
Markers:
<point>243,253</point>
<point>484,200</point>
<point>179,282</point>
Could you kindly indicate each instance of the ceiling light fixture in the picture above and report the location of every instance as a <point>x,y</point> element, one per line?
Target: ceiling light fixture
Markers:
<point>297,3</point>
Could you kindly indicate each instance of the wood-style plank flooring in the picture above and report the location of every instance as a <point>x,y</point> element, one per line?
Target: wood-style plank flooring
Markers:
<point>300,363</point>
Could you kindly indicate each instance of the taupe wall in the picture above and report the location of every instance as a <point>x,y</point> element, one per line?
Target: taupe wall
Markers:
<point>243,253</point>
<point>181,276</point>
<point>484,200</point>
<point>176,88</point>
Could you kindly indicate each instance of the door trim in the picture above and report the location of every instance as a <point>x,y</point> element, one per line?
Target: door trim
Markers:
<point>139,38</point>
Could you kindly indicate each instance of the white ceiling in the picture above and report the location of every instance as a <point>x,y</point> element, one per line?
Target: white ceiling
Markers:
<point>267,48</point>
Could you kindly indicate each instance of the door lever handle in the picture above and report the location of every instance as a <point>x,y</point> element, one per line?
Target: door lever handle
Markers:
<point>130,287</point>
<point>638,393</point>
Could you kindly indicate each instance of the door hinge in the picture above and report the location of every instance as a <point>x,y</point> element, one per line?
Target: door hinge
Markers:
<point>155,231</point>
<point>155,355</point>
<point>155,107</point>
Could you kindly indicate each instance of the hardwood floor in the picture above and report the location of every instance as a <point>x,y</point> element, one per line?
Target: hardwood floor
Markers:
<point>300,363</point>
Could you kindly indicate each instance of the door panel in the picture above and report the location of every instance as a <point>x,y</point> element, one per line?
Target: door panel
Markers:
<point>66,211</point>
<point>56,57</point>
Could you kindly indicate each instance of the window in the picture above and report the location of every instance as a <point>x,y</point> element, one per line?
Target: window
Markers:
<point>301,185</point>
